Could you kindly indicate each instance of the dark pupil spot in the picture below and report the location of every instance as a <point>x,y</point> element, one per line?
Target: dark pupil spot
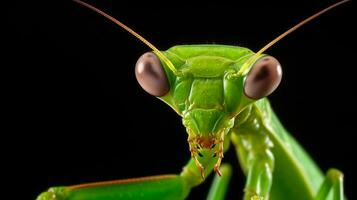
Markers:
<point>151,70</point>
<point>199,154</point>
<point>262,74</point>
<point>213,146</point>
<point>214,155</point>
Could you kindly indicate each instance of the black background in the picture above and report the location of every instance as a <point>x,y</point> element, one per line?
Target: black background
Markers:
<point>76,113</point>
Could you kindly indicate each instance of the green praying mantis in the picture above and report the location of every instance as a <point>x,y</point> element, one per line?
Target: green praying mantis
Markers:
<point>220,92</point>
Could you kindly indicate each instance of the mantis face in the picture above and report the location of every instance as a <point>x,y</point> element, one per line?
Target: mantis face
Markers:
<point>208,91</point>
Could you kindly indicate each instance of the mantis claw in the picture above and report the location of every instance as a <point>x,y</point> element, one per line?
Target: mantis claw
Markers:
<point>203,174</point>
<point>218,164</point>
<point>220,153</point>
<point>216,169</point>
<point>200,167</point>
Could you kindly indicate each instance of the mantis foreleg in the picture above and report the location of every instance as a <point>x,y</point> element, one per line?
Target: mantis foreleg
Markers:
<point>254,152</point>
<point>170,187</point>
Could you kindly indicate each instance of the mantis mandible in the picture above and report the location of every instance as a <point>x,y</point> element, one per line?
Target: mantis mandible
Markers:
<point>220,92</point>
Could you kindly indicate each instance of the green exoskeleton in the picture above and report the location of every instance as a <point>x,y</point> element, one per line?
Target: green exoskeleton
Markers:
<point>220,92</point>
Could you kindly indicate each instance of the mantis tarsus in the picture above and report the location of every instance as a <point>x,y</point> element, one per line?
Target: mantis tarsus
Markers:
<point>220,93</point>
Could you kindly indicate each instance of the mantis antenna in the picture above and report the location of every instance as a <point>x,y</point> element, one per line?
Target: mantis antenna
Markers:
<point>256,55</point>
<point>132,32</point>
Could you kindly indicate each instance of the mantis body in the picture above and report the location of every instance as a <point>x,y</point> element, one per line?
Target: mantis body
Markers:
<point>220,92</point>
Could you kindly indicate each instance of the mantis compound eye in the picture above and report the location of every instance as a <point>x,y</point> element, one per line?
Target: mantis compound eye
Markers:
<point>151,75</point>
<point>263,78</point>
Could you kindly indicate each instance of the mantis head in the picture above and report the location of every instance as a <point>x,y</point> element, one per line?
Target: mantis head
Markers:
<point>208,91</point>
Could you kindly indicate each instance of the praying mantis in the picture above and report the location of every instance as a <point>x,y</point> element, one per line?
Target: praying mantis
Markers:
<point>220,92</point>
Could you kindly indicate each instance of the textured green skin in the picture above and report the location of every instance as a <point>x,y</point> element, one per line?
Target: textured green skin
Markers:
<point>209,96</point>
